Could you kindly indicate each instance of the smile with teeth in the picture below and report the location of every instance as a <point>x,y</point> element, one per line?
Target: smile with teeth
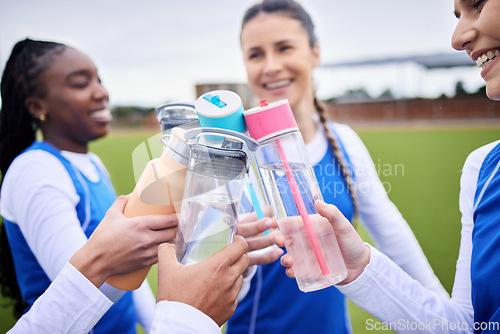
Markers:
<point>278,84</point>
<point>485,59</point>
<point>103,114</point>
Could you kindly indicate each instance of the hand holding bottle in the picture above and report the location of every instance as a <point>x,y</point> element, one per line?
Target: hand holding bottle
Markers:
<point>211,285</point>
<point>252,229</point>
<point>120,245</point>
<point>355,253</point>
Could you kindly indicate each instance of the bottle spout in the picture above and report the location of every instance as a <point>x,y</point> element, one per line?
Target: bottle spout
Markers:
<point>215,100</point>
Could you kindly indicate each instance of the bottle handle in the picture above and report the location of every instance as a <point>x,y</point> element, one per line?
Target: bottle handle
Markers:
<point>193,134</point>
<point>249,147</point>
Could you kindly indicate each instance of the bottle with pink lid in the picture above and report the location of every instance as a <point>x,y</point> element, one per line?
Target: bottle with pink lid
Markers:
<point>292,188</point>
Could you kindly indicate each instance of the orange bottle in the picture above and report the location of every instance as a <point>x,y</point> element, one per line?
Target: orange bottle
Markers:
<point>159,190</point>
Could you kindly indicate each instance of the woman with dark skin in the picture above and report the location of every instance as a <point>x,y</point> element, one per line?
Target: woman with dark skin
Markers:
<point>55,192</point>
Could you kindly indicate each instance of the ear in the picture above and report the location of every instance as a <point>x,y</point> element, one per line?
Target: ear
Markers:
<point>315,54</point>
<point>35,107</point>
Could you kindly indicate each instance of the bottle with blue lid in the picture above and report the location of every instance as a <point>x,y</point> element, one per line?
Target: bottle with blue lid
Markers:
<point>224,109</point>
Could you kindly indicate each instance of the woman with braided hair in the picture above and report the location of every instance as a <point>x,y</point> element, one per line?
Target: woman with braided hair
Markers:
<point>280,51</point>
<point>54,192</point>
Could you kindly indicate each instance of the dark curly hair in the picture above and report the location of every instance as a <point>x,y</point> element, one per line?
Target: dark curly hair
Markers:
<point>20,79</point>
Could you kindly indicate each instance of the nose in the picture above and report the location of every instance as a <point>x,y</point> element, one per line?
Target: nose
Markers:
<point>272,64</point>
<point>464,34</point>
<point>100,92</point>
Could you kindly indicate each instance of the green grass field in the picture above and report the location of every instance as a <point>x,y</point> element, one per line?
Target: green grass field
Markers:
<point>420,170</point>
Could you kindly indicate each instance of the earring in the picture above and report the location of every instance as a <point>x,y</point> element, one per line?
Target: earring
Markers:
<point>42,117</point>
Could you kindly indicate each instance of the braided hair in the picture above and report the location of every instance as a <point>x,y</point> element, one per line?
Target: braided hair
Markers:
<point>332,141</point>
<point>295,11</point>
<point>28,60</point>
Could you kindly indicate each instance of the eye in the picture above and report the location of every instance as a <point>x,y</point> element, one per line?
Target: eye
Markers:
<point>254,55</point>
<point>284,48</point>
<point>78,80</point>
<point>79,83</point>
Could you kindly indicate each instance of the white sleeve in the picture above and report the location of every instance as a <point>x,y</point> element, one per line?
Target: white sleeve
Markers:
<point>179,318</point>
<point>71,304</point>
<point>402,303</point>
<point>144,302</point>
<point>468,183</point>
<point>39,195</point>
<point>382,219</point>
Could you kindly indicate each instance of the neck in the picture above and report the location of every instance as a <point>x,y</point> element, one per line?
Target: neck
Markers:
<point>303,116</point>
<point>65,145</point>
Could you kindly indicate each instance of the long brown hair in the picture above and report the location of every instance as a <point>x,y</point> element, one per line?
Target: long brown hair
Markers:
<point>295,11</point>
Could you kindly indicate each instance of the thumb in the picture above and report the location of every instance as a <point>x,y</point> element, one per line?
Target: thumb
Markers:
<point>168,266</point>
<point>333,214</point>
<point>233,252</point>
<point>119,204</point>
<point>167,258</point>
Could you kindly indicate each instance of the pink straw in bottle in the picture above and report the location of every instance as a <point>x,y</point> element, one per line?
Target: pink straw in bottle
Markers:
<point>263,125</point>
<point>302,210</point>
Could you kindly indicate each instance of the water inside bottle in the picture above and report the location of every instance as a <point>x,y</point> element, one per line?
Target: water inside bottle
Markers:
<point>308,273</point>
<point>279,191</point>
<point>207,225</point>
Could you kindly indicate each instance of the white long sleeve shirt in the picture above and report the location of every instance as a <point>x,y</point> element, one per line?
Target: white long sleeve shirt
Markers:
<point>403,304</point>
<point>379,215</point>
<point>72,304</point>
<point>44,209</point>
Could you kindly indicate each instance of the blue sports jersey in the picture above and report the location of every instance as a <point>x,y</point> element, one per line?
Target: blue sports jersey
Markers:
<point>485,260</point>
<point>274,303</point>
<point>95,200</point>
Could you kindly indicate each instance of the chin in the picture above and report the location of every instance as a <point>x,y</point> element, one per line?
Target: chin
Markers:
<point>493,94</point>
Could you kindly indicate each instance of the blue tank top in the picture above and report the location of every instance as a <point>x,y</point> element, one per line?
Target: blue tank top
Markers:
<point>485,260</point>
<point>95,200</point>
<point>274,303</point>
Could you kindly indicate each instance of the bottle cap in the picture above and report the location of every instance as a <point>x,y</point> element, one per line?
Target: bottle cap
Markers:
<point>270,119</point>
<point>221,109</point>
<point>176,147</point>
<point>174,114</point>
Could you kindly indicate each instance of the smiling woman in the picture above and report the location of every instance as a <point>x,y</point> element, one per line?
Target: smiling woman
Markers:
<point>281,50</point>
<point>54,192</point>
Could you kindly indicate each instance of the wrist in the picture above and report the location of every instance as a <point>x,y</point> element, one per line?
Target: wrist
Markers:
<point>359,268</point>
<point>90,265</point>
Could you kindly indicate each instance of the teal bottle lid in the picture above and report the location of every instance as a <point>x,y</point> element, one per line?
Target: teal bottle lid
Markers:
<point>221,109</point>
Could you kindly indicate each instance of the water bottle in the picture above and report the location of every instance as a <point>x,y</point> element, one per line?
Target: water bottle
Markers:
<point>224,109</point>
<point>292,188</point>
<point>212,193</point>
<point>159,190</point>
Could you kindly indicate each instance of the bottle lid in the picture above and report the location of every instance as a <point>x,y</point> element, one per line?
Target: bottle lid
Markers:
<point>270,119</point>
<point>174,114</point>
<point>176,147</point>
<point>221,109</point>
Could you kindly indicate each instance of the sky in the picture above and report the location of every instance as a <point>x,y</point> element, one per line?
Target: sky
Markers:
<point>154,51</point>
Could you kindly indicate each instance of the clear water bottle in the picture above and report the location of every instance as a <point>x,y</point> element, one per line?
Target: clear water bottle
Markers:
<point>292,188</point>
<point>224,109</point>
<point>212,193</point>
